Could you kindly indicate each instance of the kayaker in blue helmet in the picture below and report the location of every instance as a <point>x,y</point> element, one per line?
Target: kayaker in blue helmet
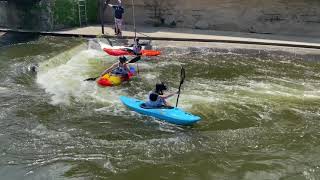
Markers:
<point>118,11</point>
<point>120,68</point>
<point>157,98</point>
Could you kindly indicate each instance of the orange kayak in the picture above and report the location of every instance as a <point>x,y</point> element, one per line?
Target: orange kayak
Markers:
<point>122,52</point>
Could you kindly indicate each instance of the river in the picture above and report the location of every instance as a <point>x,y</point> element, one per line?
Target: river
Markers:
<point>259,109</point>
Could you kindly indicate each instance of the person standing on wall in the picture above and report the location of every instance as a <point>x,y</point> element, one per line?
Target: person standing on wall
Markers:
<point>118,12</point>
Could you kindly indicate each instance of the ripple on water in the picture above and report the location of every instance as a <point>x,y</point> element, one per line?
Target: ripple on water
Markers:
<point>259,118</point>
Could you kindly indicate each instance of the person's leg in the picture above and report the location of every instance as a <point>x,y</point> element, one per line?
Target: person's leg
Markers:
<point>119,24</point>
<point>165,103</point>
<point>115,26</point>
<point>118,31</point>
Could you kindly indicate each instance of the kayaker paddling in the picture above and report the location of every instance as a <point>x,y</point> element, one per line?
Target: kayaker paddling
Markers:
<point>136,47</point>
<point>119,68</point>
<point>157,107</point>
<point>157,98</point>
<point>117,73</point>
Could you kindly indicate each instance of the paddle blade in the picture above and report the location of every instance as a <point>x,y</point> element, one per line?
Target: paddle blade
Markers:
<point>91,79</point>
<point>182,75</point>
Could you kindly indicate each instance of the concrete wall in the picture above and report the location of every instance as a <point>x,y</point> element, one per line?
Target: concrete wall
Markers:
<point>36,16</point>
<point>13,16</point>
<point>3,13</point>
<point>293,17</point>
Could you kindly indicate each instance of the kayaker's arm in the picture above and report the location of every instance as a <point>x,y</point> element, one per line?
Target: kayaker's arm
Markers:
<point>109,69</point>
<point>165,96</point>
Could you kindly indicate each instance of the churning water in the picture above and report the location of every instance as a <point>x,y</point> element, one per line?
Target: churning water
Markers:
<point>259,109</point>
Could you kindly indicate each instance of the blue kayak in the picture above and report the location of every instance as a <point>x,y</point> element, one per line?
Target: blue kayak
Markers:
<point>169,114</point>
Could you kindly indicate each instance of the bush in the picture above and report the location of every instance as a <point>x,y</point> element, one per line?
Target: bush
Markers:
<point>66,13</point>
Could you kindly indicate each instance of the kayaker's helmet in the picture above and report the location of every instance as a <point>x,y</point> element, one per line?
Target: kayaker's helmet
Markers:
<point>161,87</point>
<point>153,97</point>
<point>122,59</point>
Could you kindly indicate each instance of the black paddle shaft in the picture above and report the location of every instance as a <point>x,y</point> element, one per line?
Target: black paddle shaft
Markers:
<point>91,79</point>
<point>135,59</point>
<point>182,77</point>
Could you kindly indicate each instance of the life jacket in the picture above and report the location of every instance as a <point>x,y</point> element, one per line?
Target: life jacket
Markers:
<point>120,70</point>
<point>155,100</point>
<point>136,48</point>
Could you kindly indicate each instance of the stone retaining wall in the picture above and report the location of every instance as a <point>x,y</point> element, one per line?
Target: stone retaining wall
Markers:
<point>289,17</point>
<point>3,13</point>
<point>294,17</point>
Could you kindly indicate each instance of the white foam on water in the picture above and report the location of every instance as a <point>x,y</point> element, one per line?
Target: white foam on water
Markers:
<point>312,94</point>
<point>42,131</point>
<point>63,76</point>
<point>311,90</point>
<point>206,96</point>
<point>272,89</point>
<point>4,90</point>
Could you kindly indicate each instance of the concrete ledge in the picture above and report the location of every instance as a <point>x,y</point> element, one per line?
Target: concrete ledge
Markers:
<point>244,38</point>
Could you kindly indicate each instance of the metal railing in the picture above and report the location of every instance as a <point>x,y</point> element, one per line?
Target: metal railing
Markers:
<point>82,9</point>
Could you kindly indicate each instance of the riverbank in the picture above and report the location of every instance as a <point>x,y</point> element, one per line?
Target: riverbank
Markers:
<point>179,34</point>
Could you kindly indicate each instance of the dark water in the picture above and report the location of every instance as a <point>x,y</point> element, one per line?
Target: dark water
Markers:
<point>260,116</point>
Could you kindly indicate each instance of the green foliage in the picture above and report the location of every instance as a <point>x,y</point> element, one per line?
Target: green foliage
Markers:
<point>29,14</point>
<point>65,13</point>
<point>92,11</point>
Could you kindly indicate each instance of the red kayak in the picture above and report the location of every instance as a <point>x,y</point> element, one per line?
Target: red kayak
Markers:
<point>122,52</point>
